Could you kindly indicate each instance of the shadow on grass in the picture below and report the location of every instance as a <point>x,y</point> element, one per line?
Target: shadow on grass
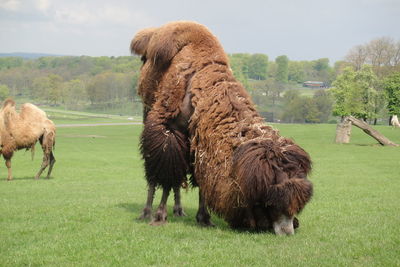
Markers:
<point>188,220</point>
<point>16,179</point>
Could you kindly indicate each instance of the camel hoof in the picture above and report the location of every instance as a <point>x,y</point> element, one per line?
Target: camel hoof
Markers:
<point>178,212</point>
<point>160,218</point>
<point>204,221</point>
<point>206,224</point>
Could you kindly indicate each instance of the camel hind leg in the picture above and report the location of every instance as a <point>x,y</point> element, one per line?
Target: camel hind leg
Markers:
<point>178,209</point>
<point>146,213</point>
<point>160,217</point>
<point>52,161</point>
<point>45,163</point>
<point>47,142</point>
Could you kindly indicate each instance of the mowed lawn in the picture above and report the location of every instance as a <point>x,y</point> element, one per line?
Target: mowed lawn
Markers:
<point>85,215</point>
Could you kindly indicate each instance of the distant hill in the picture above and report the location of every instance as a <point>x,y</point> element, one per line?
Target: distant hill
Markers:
<point>28,55</point>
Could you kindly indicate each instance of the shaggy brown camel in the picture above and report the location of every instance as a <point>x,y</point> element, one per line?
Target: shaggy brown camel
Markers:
<point>22,131</point>
<point>246,172</point>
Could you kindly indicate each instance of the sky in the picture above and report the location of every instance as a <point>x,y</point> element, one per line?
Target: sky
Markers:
<point>299,29</point>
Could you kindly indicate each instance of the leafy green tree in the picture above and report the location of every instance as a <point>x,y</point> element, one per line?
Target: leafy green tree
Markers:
<point>54,94</point>
<point>108,89</point>
<point>282,69</point>
<point>257,66</point>
<point>296,72</point>
<point>391,85</point>
<point>321,64</point>
<point>290,96</point>
<point>4,92</point>
<point>240,68</point>
<point>47,88</point>
<point>300,109</point>
<point>10,62</point>
<point>40,87</point>
<point>355,93</point>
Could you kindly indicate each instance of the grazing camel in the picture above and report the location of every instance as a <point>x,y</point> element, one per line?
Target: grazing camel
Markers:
<point>22,131</point>
<point>246,172</point>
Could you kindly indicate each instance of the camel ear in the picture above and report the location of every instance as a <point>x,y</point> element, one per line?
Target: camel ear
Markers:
<point>141,41</point>
<point>291,195</point>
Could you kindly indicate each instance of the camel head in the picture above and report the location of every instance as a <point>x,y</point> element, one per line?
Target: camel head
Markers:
<point>272,178</point>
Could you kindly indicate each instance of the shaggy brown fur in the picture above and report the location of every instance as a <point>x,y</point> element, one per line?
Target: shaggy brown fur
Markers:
<point>247,173</point>
<point>23,130</point>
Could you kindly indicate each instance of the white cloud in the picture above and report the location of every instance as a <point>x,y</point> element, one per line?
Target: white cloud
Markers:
<point>43,5</point>
<point>74,15</point>
<point>89,15</point>
<point>12,5</point>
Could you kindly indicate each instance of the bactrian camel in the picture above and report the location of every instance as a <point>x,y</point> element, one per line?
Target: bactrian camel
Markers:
<point>22,130</point>
<point>246,172</point>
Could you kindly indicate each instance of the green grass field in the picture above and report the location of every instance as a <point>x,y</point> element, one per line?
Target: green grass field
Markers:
<point>85,215</point>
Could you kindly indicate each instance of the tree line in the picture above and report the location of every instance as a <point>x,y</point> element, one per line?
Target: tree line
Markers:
<point>99,83</point>
<point>109,83</point>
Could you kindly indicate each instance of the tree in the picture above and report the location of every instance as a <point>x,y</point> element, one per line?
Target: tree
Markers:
<point>282,71</point>
<point>257,66</point>
<point>108,89</point>
<point>323,101</point>
<point>382,53</point>
<point>357,56</point>
<point>240,68</point>
<point>296,72</point>
<point>4,92</point>
<point>391,86</point>
<point>355,93</point>
<point>74,93</point>
<point>299,109</point>
<point>54,93</point>
<point>40,87</point>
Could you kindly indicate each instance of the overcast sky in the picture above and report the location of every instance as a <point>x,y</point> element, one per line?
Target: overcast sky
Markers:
<point>300,29</point>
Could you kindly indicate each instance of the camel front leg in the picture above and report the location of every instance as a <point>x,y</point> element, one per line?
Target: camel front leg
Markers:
<point>178,209</point>
<point>160,217</point>
<point>8,165</point>
<point>146,213</point>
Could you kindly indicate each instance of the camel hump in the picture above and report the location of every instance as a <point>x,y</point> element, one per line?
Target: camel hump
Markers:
<point>141,40</point>
<point>9,102</point>
<point>160,45</point>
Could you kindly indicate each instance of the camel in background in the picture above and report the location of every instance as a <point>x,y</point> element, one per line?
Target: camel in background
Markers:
<point>395,121</point>
<point>22,130</point>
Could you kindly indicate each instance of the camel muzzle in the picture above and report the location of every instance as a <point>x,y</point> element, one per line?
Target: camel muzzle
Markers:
<point>284,226</point>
